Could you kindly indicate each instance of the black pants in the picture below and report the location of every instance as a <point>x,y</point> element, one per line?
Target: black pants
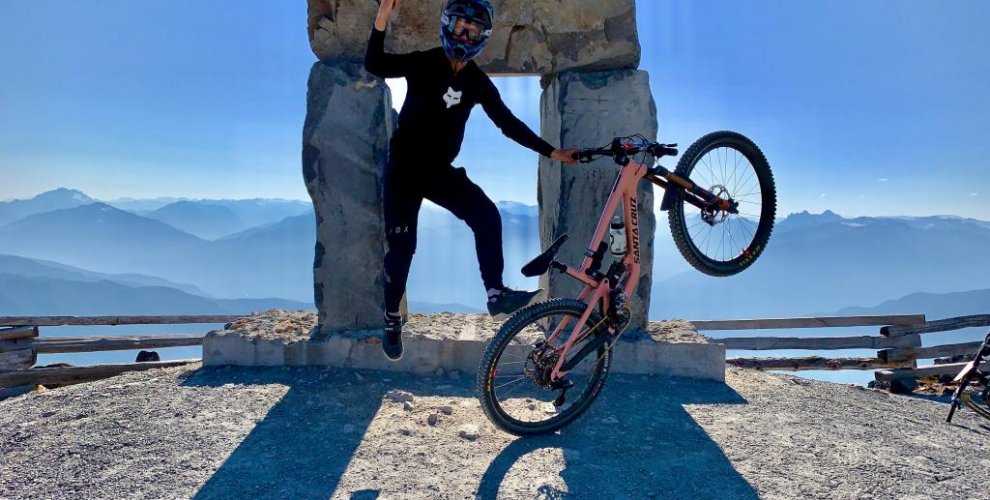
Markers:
<point>405,188</point>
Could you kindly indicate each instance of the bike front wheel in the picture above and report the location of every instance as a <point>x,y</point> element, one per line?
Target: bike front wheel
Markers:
<point>716,241</point>
<point>513,378</point>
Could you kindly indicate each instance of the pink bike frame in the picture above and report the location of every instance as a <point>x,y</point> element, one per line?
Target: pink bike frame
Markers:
<point>597,291</point>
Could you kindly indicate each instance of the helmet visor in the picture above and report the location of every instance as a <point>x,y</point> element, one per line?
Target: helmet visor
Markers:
<point>468,30</point>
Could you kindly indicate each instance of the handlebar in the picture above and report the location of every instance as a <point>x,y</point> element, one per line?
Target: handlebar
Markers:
<point>622,148</point>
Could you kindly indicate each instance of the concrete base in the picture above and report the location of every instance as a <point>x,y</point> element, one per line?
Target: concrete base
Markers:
<point>426,351</point>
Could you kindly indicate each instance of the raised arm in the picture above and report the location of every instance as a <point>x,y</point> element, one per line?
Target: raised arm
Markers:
<point>379,63</point>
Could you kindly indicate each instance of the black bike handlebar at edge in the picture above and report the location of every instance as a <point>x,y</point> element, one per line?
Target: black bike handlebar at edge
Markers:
<point>621,151</point>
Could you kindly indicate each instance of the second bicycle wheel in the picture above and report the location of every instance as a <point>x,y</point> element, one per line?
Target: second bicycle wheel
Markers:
<point>978,401</point>
<point>513,379</point>
<point>715,240</point>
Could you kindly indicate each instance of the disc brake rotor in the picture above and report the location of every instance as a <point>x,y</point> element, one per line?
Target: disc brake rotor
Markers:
<point>717,211</point>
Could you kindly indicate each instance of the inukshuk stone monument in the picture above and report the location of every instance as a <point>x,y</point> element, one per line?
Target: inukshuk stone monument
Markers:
<point>587,53</point>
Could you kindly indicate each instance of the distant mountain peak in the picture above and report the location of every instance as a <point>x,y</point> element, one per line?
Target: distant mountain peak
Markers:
<point>827,213</point>
<point>56,199</point>
<point>517,208</point>
<point>804,217</point>
<point>63,193</point>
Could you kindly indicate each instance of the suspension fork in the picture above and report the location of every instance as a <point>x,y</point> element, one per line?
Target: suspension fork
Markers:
<point>692,193</point>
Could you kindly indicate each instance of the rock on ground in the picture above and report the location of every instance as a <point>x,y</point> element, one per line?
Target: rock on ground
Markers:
<point>312,433</point>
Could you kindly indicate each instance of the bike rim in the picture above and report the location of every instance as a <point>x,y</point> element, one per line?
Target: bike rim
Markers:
<point>727,172</point>
<point>522,400</point>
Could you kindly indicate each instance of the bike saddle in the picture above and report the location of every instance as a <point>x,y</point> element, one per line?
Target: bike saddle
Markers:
<point>541,263</point>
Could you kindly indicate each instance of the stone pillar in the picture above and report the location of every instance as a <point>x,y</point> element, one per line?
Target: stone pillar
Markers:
<point>349,120</point>
<point>588,109</point>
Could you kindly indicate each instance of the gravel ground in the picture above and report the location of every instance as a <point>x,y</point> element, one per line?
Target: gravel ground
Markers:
<point>320,433</point>
<point>294,326</point>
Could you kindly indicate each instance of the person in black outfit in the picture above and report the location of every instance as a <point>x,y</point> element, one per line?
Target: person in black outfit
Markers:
<point>444,83</point>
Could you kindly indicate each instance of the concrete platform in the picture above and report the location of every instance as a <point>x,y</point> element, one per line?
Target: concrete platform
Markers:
<point>444,341</point>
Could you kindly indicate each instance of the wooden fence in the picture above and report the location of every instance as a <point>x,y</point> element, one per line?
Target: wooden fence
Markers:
<point>898,343</point>
<point>20,344</point>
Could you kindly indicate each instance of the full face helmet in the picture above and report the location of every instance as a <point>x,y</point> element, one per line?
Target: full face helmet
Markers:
<point>465,27</point>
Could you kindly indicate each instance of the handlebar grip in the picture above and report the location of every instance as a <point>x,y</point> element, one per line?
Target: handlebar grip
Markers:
<point>661,150</point>
<point>584,156</point>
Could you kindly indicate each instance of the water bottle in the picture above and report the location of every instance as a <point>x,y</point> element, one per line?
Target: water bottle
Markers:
<point>617,236</point>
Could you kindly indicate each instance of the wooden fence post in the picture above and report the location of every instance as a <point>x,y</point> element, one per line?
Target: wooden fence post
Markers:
<point>17,348</point>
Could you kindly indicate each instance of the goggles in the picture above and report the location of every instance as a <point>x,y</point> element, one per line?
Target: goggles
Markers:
<point>471,30</point>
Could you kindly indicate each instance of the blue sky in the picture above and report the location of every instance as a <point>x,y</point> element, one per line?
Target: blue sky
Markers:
<point>867,108</point>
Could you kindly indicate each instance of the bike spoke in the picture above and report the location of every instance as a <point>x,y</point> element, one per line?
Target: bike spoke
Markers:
<point>519,379</point>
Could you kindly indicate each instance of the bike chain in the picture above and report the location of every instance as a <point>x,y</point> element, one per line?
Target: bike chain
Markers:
<point>610,346</point>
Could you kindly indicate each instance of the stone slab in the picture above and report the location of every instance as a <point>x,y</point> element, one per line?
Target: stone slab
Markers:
<point>349,120</point>
<point>581,110</point>
<point>536,37</point>
<point>444,341</point>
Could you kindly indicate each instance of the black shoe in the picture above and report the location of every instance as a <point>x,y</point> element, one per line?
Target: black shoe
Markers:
<point>509,301</point>
<point>392,340</point>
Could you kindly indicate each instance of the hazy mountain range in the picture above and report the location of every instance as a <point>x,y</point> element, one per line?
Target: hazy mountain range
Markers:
<point>44,202</point>
<point>826,262</point>
<point>192,253</point>
<point>204,218</point>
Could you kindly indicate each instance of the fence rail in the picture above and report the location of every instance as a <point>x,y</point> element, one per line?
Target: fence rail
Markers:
<point>810,322</point>
<point>20,345</point>
<point>91,344</point>
<point>37,321</point>
<point>815,363</point>
<point>942,325</point>
<point>925,371</point>
<point>816,343</point>
<point>898,343</point>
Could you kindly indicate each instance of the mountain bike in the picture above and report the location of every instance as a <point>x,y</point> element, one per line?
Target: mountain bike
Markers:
<point>549,360</point>
<point>971,374</point>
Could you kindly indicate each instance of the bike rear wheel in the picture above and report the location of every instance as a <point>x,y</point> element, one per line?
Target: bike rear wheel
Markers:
<point>512,381</point>
<point>717,242</point>
<point>978,401</point>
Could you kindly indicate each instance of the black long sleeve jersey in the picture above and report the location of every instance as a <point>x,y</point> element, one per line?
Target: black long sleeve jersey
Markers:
<point>438,103</point>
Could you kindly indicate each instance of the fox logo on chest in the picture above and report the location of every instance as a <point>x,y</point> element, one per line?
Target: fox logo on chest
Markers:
<point>452,97</point>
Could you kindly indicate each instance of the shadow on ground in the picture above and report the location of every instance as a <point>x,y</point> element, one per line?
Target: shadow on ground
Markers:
<point>636,441</point>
